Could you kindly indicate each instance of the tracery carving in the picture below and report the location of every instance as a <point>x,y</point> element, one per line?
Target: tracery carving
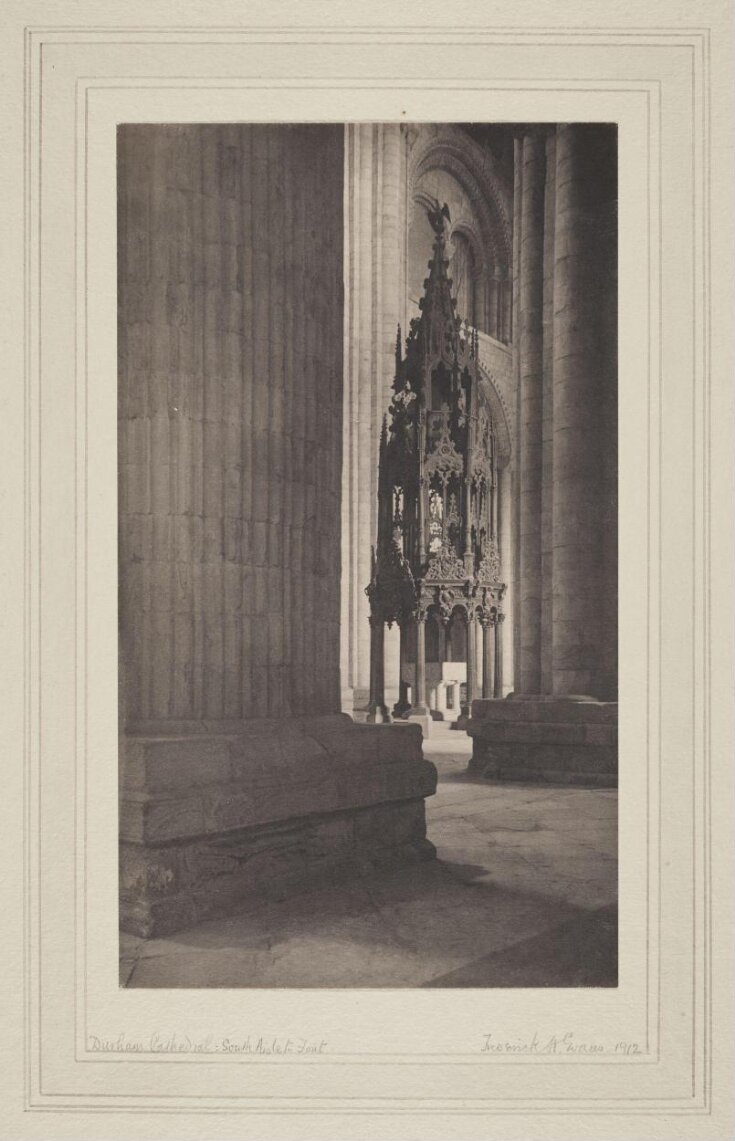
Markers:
<point>444,460</point>
<point>445,566</point>
<point>489,568</point>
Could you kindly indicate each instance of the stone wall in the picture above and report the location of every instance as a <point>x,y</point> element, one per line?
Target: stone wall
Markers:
<point>230,421</point>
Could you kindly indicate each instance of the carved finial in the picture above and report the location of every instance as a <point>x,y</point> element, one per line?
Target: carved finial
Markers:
<point>437,214</point>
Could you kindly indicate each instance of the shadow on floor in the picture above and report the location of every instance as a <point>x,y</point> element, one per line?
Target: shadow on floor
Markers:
<point>583,952</point>
<point>416,928</point>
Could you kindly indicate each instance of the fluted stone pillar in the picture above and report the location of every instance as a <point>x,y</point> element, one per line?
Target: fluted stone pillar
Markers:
<point>479,659</point>
<point>505,542</point>
<point>494,508</point>
<point>608,331</point>
<point>230,413</point>
<point>488,663</point>
<point>499,307</point>
<point>547,422</point>
<point>563,721</point>
<point>530,435</point>
<point>374,275</point>
<point>506,329</point>
<point>418,705</point>
<point>492,307</point>
<point>471,660</point>
<point>377,711</point>
<point>576,454</point>
<point>403,705</point>
<point>392,667</point>
<point>499,680</point>
<point>608,683</point>
<point>514,473</point>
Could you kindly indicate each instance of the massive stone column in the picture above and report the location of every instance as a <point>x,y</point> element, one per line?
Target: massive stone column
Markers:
<point>547,422</point>
<point>504,635</point>
<point>498,306</point>
<point>577,535</point>
<point>530,354</point>
<point>514,473</point>
<point>563,721</point>
<point>230,448</point>
<point>491,309</point>
<point>230,401</point>
<point>608,331</point>
<point>506,295</point>
<point>375,300</point>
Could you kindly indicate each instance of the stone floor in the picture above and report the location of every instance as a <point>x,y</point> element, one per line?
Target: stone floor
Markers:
<point>523,894</point>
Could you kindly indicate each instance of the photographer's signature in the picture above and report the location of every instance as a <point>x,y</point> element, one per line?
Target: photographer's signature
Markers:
<point>556,1044</point>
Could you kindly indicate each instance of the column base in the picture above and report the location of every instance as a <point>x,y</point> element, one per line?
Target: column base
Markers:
<point>546,739</point>
<point>211,824</point>
<point>360,705</point>
<point>377,715</point>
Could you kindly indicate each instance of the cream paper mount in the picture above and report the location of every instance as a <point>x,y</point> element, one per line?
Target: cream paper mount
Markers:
<point>84,1058</point>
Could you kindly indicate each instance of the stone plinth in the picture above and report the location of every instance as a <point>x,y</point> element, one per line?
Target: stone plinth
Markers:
<point>212,823</point>
<point>545,739</point>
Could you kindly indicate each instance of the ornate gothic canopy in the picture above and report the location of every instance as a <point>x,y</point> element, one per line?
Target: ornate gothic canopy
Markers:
<point>437,488</point>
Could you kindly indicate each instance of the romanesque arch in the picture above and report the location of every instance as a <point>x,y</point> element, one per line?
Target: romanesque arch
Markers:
<point>450,150</point>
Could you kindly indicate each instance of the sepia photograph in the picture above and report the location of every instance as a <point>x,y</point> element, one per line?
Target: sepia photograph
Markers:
<point>367,673</point>
<point>368,554</point>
